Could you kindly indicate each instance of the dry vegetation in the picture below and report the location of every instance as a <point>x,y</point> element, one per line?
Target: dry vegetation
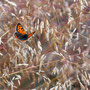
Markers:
<point>57,56</point>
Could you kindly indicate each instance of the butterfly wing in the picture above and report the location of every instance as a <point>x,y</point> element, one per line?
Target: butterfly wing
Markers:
<point>20,29</point>
<point>31,34</point>
<point>20,36</point>
<point>16,35</point>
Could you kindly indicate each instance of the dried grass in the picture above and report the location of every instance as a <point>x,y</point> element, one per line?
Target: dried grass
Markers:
<point>57,56</point>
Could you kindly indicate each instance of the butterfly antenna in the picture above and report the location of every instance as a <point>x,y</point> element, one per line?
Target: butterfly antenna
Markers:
<point>31,34</point>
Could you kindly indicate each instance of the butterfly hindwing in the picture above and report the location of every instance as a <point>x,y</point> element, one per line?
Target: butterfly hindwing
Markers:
<point>20,29</point>
<point>20,36</point>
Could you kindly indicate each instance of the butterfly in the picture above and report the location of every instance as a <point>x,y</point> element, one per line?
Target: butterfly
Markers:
<point>21,34</point>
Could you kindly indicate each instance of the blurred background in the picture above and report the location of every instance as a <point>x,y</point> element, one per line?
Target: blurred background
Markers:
<point>57,56</point>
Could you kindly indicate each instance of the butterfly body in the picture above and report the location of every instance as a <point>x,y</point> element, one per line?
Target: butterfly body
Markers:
<point>21,34</point>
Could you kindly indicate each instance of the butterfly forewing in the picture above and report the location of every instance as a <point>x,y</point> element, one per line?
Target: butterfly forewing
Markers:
<point>20,29</point>
<point>31,34</point>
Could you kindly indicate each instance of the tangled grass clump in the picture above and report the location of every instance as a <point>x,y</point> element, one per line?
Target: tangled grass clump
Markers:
<point>57,56</point>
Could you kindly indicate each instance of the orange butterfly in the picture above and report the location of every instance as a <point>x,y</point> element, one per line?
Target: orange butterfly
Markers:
<point>21,34</point>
